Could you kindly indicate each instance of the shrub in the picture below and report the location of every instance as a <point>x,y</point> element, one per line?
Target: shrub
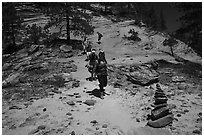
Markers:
<point>133,35</point>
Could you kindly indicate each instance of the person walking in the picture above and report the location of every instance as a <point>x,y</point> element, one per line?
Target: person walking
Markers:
<point>99,37</point>
<point>101,55</point>
<point>84,44</point>
<point>92,63</point>
<point>101,72</point>
<point>88,50</point>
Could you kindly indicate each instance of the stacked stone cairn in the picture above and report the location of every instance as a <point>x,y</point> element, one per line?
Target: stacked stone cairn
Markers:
<point>161,115</point>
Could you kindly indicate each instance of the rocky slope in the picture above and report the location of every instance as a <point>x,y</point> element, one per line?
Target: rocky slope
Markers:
<point>46,91</point>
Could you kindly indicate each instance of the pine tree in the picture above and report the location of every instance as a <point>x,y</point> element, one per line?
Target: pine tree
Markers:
<point>11,23</point>
<point>152,19</point>
<point>69,17</point>
<point>124,9</point>
<point>191,29</point>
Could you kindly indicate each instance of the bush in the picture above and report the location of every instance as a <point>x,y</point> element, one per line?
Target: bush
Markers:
<point>133,35</point>
<point>35,35</point>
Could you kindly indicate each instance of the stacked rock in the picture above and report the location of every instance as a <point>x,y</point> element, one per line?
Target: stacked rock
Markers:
<point>160,115</point>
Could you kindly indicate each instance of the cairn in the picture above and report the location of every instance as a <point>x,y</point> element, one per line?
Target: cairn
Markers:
<point>161,115</point>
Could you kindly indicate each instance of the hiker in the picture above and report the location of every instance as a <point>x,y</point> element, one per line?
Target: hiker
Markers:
<point>101,56</point>
<point>101,72</point>
<point>84,44</point>
<point>92,63</point>
<point>88,50</point>
<point>99,37</point>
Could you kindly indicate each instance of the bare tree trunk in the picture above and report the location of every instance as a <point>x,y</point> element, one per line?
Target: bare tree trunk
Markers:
<point>105,9</point>
<point>67,19</point>
<point>128,7</point>
<point>13,35</point>
<point>171,51</point>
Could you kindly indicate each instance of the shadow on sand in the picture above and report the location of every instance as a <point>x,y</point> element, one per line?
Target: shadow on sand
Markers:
<point>96,92</point>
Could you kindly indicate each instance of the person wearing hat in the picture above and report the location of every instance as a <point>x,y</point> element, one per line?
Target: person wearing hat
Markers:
<point>101,56</point>
<point>101,72</point>
<point>92,63</point>
<point>88,50</point>
<point>84,42</point>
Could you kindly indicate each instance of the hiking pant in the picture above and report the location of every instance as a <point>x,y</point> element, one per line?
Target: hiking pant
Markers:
<point>92,69</point>
<point>102,79</point>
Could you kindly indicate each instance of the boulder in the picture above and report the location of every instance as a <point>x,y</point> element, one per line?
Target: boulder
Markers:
<point>143,75</point>
<point>44,109</point>
<point>68,114</point>
<point>94,122</point>
<point>65,48</point>
<point>14,107</point>
<point>104,126</point>
<point>197,131</point>
<point>71,103</point>
<point>90,102</point>
<point>41,127</point>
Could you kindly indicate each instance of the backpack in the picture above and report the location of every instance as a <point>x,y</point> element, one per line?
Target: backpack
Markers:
<point>101,56</point>
<point>93,57</point>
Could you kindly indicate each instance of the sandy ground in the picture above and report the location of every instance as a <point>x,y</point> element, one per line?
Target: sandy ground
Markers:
<point>117,113</point>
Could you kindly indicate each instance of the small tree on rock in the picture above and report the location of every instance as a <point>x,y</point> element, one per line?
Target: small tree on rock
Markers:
<point>170,42</point>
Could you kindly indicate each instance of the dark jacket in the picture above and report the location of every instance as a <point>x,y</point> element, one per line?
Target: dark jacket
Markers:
<point>101,68</point>
<point>101,57</point>
<point>88,48</point>
<point>93,58</point>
